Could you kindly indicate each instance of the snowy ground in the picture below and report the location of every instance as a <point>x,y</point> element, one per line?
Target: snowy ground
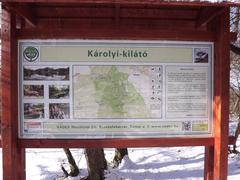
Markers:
<point>178,163</point>
<point>145,163</point>
<point>182,163</point>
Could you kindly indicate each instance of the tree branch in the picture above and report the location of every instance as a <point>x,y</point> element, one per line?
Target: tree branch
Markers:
<point>235,49</point>
<point>234,91</point>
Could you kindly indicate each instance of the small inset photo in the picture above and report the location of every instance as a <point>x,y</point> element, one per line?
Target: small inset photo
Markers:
<point>59,111</point>
<point>58,91</point>
<point>33,91</point>
<point>201,55</point>
<point>46,73</point>
<point>33,110</point>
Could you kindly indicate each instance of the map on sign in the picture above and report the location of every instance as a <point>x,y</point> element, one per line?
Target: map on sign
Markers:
<point>117,91</point>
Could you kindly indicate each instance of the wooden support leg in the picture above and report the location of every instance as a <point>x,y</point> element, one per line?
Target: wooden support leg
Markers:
<point>208,163</point>
<point>21,161</point>
<point>221,96</point>
<point>13,156</point>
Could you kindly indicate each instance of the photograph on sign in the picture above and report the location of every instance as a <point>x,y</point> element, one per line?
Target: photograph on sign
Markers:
<point>33,91</point>
<point>59,91</point>
<point>114,89</point>
<point>33,110</point>
<point>39,73</point>
<point>59,111</point>
<point>201,55</point>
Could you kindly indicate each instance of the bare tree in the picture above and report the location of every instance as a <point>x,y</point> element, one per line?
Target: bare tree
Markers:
<point>119,155</point>
<point>74,171</point>
<point>235,73</point>
<point>235,93</point>
<point>96,163</point>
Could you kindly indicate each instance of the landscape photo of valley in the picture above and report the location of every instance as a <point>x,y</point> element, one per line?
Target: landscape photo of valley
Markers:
<point>50,73</point>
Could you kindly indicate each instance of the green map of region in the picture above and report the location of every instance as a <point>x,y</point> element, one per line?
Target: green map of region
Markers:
<point>106,92</point>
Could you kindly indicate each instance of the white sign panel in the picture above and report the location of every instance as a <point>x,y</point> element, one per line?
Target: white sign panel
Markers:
<point>114,89</point>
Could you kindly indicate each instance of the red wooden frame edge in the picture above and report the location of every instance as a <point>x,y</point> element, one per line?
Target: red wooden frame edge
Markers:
<point>133,2</point>
<point>23,142</point>
<point>116,143</point>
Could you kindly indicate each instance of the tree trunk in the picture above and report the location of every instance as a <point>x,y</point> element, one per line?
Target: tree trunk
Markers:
<point>236,20</point>
<point>119,154</point>
<point>235,25</point>
<point>96,163</point>
<point>237,133</point>
<point>235,49</point>
<point>74,171</point>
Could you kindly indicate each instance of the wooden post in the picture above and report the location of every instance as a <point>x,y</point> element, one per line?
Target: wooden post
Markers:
<point>208,162</point>
<point>221,96</point>
<point>13,156</point>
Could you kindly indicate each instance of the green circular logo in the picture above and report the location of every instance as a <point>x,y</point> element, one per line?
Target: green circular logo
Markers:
<point>31,54</point>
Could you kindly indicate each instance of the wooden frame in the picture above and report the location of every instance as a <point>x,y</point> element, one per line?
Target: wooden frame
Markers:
<point>214,29</point>
<point>133,2</point>
<point>12,154</point>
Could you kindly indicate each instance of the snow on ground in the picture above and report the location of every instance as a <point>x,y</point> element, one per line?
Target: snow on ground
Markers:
<point>161,163</point>
<point>143,163</point>
<point>176,163</point>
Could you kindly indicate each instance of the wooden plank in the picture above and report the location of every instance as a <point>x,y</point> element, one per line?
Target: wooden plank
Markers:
<point>96,23</point>
<point>74,12</point>
<point>208,163</point>
<point>8,142</point>
<point>11,157</point>
<point>117,143</point>
<point>149,2</point>
<point>21,164</point>
<point>117,14</point>
<point>221,96</point>
<point>112,5</point>
<point>207,14</point>
<point>80,12</point>
<point>128,28</point>
<point>25,11</point>
<point>120,33</point>
<point>158,13</point>
<point>32,142</point>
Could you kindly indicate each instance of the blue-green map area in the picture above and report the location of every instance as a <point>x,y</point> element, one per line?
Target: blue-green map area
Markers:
<point>112,92</point>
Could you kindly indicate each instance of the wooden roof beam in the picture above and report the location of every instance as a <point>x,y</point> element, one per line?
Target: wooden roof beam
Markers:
<point>207,14</point>
<point>25,11</point>
<point>134,2</point>
<point>117,14</point>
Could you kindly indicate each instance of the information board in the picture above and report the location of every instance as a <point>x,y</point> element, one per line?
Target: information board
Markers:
<point>114,89</point>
